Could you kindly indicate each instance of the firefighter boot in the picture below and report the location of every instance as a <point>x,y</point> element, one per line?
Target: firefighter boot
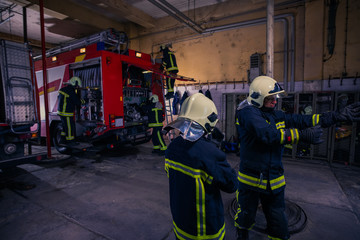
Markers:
<point>242,234</point>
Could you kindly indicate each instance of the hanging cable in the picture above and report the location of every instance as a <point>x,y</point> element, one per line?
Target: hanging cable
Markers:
<point>333,5</point>
<point>344,73</point>
<point>194,12</point>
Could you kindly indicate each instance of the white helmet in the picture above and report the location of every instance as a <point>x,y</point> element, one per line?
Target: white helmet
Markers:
<point>154,98</point>
<point>260,88</point>
<point>198,115</point>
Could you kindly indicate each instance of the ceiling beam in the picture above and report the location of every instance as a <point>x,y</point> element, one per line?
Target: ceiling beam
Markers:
<point>29,5</point>
<point>127,11</point>
<point>19,39</point>
<point>84,15</point>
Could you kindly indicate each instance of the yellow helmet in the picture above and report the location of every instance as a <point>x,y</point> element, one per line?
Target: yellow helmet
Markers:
<point>75,81</point>
<point>198,115</point>
<point>260,88</point>
<point>154,98</point>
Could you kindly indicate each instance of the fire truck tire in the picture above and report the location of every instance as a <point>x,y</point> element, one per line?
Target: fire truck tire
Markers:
<point>55,138</point>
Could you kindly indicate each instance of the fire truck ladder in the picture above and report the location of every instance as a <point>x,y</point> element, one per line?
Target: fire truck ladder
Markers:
<point>168,111</point>
<point>111,39</point>
<point>16,77</point>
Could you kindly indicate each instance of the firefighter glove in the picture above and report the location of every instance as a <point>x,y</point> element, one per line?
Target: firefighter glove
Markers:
<point>311,135</point>
<point>216,136</point>
<point>350,113</point>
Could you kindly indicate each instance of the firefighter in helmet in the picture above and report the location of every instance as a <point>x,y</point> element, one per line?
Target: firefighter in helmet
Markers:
<point>67,101</point>
<point>263,132</point>
<point>197,170</point>
<point>155,114</point>
<point>170,66</point>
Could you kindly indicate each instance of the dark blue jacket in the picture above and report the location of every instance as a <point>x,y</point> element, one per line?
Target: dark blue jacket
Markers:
<point>261,167</point>
<point>67,101</point>
<point>169,61</point>
<point>155,115</point>
<point>197,172</point>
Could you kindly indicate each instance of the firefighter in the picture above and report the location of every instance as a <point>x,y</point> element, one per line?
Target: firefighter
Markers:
<point>197,170</point>
<point>263,132</point>
<point>67,101</point>
<point>170,66</point>
<point>155,114</point>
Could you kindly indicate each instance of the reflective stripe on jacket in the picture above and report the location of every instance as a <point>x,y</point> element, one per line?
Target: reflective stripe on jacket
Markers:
<point>197,172</point>
<point>169,61</point>
<point>156,117</point>
<point>261,138</point>
<point>67,100</point>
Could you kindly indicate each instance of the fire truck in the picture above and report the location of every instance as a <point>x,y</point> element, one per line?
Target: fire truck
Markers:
<point>116,82</point>
<point>19,118</point>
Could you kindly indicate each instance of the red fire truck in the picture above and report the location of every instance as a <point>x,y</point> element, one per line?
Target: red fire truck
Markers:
<point>116,81</point>
<point>19,120</point>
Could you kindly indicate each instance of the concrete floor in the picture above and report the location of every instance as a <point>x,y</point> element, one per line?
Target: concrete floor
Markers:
<point>125,196</point>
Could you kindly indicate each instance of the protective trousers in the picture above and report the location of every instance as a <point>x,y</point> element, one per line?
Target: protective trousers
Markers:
<point>273,206</point>
<point>170,82</point>
<point>158,140</point>
<point>68,127</point>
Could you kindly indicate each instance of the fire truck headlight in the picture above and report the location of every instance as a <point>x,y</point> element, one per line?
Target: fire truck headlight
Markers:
<point>9,148</point>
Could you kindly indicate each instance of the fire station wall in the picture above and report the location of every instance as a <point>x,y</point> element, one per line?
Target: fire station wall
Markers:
<point>224,56</point>
<point>346,56</point>
<point>318,62</point>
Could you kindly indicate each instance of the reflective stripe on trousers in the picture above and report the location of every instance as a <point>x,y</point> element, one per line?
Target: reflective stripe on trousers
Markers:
<point>200,177</point>
<point>260,182</point>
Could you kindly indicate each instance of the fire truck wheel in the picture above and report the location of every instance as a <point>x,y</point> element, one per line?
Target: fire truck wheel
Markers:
<point>56,137</point>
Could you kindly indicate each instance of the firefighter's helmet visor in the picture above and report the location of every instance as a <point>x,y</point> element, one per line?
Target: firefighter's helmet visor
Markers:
<point>189,129</point>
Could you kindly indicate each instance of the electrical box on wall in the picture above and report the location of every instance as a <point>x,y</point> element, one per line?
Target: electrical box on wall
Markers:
<point>255,66</point>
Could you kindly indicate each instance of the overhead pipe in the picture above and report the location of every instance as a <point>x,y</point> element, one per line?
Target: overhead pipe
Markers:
<point>255,22</point>
<point>288,51</point>
<point>176,16</point>
<point>183,16</point>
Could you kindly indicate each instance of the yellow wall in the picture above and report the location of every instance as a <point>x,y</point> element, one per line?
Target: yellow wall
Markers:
<point>335,65</point>
<point>225,55</point>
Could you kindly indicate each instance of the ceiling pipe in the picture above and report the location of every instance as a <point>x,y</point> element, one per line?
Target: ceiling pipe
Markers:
<point>287,51</point>
<point>183,16</point>
<point>9,10</point>
<point>192,26</point>
<point>255,22</point>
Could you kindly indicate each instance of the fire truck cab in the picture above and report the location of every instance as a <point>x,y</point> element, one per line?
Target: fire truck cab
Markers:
<point>116,84</point>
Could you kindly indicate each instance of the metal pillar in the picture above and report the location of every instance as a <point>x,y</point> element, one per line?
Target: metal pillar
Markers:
<point>270,39</point>
<point>42,26</point>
